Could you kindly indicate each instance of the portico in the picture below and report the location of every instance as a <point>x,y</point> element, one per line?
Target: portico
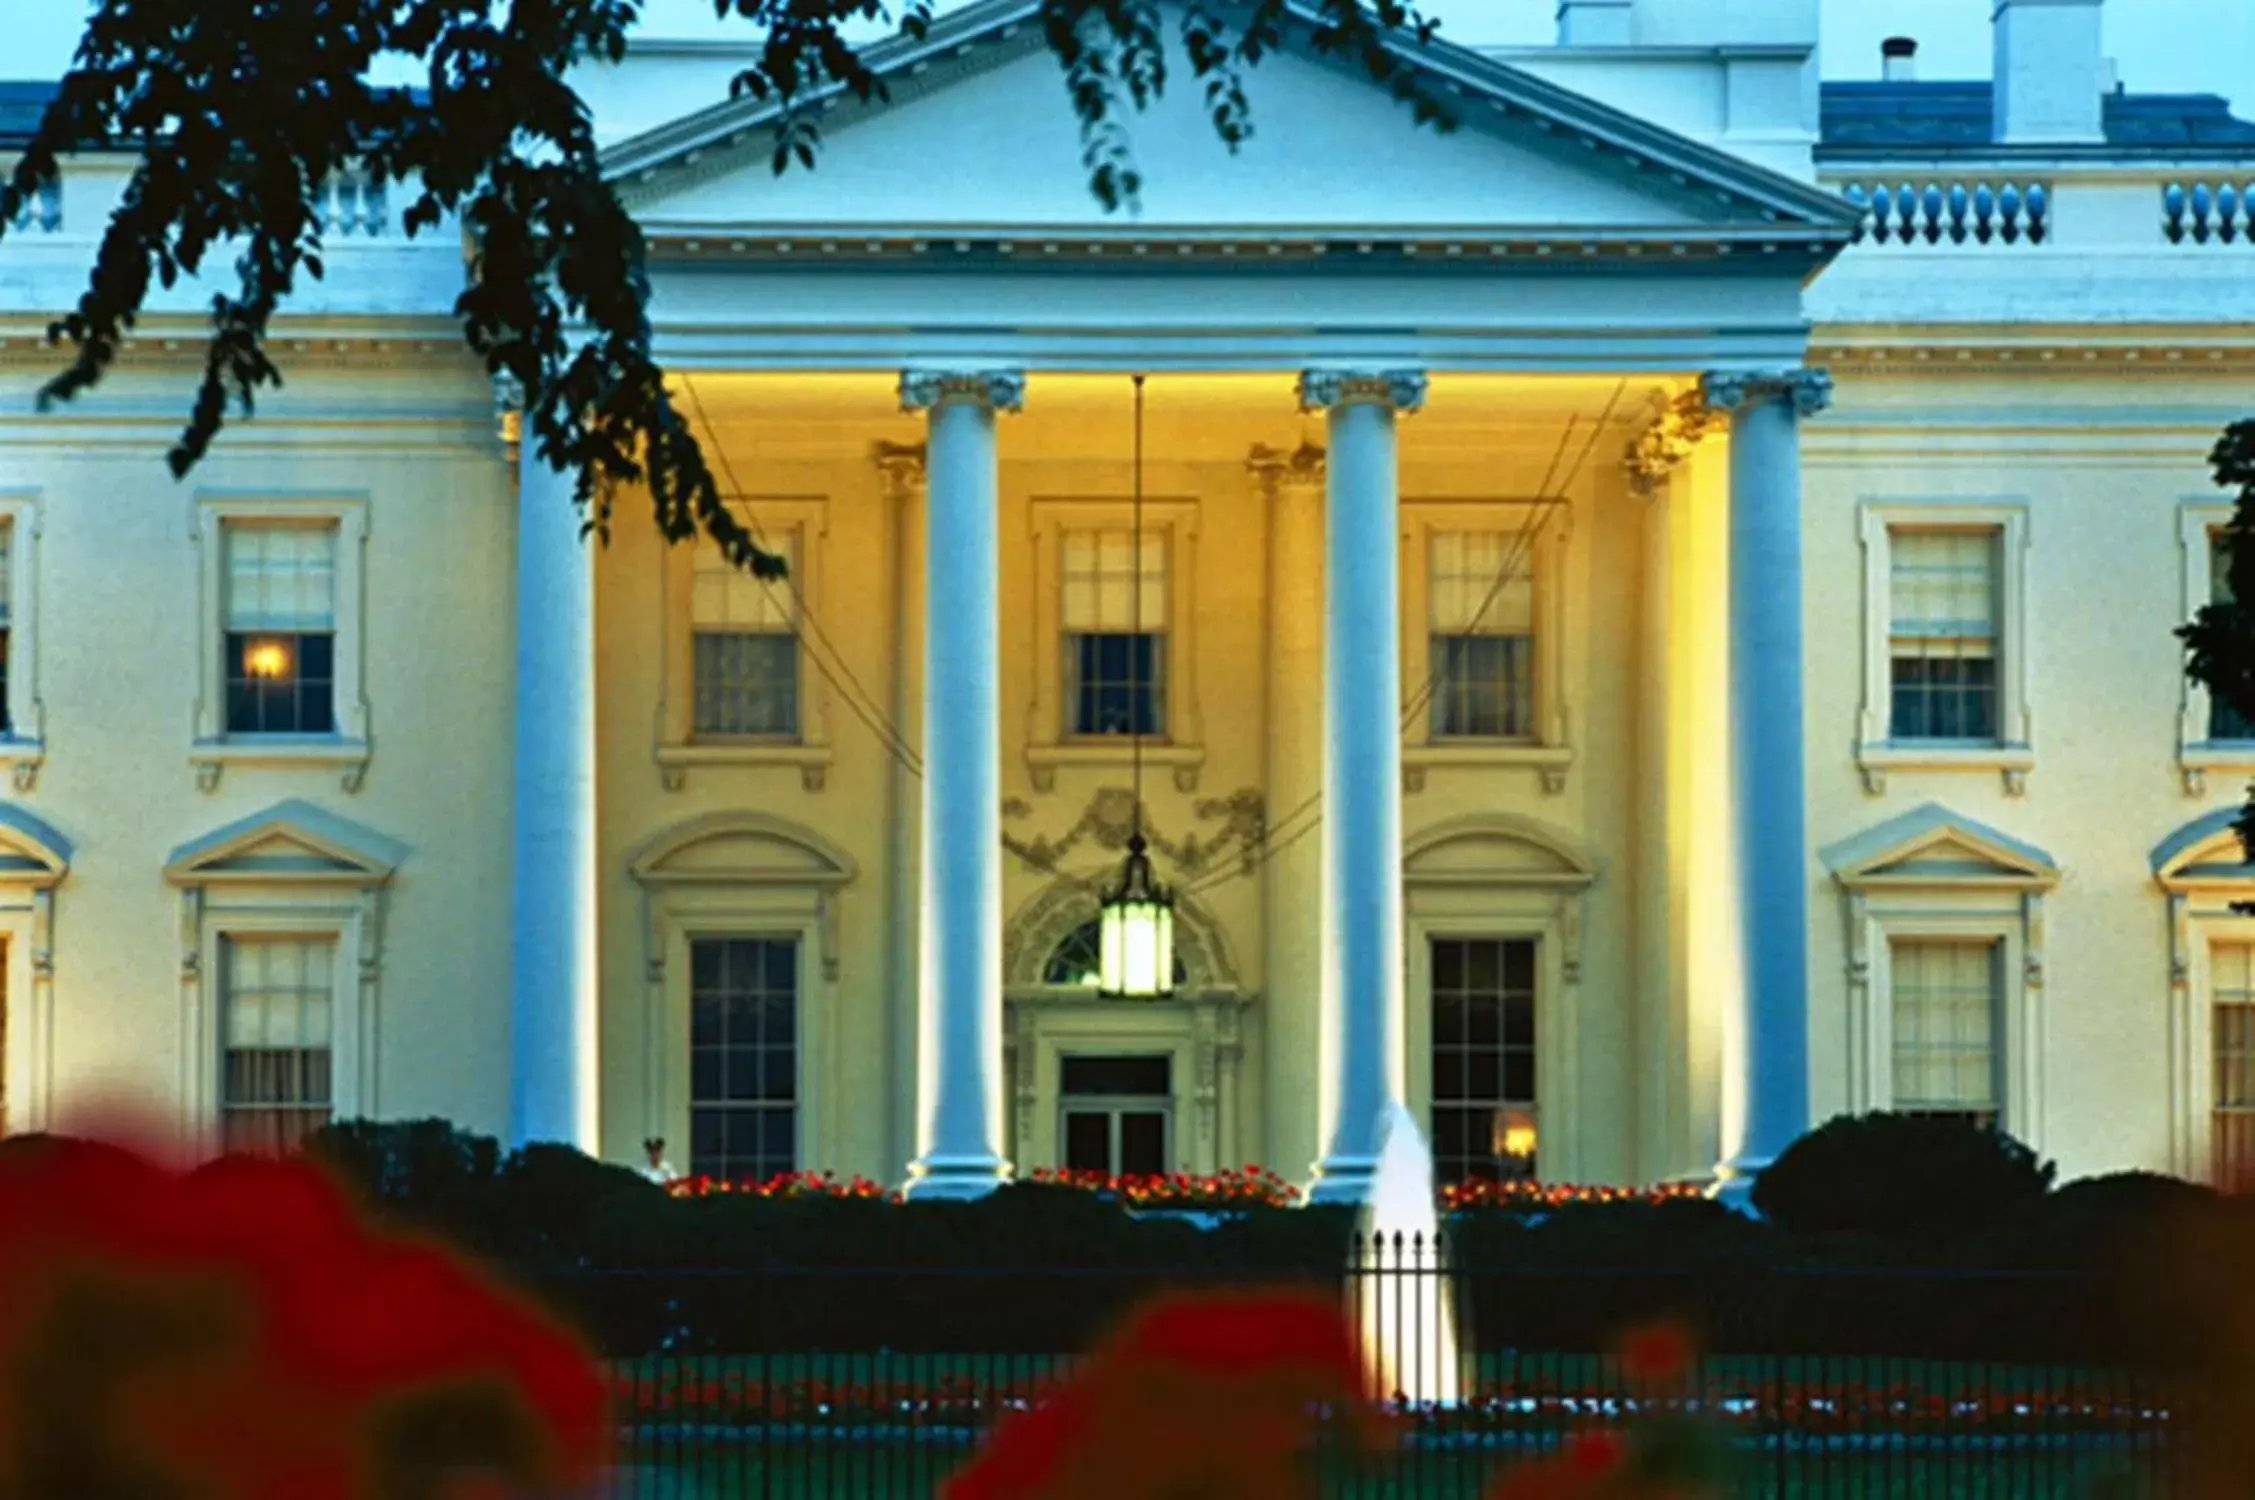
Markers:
<point>1332,407</point>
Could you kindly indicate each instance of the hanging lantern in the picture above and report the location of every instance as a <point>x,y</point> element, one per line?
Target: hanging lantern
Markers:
<point>1135,948</point>
<point>1135,928</point>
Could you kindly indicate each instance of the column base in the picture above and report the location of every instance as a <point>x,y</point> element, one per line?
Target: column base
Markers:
<point>1344,1179</point>
<point>1733,1184</point>
<point>954,1179</point>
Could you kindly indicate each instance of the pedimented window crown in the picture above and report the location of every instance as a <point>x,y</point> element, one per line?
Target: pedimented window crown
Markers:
<point>292,842</point>
<point>1933,846</point>
<point>31,853</point>
<point>742,848</point>
<point>2203,853</point>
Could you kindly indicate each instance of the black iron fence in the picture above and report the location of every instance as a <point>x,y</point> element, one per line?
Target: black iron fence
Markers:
<point>878,1382</point>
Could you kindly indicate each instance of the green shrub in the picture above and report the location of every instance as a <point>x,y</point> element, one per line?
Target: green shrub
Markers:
<point>1900,1176</point>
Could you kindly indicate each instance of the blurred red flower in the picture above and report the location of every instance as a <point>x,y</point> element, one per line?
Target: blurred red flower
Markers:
<point>1199,1397</point>
<point>238,1333</point>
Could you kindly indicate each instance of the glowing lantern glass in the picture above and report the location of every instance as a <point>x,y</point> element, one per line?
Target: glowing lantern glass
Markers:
<point>1135,933</point>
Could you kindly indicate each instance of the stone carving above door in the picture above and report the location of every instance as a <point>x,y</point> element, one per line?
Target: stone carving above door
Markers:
<point>1240,819</point>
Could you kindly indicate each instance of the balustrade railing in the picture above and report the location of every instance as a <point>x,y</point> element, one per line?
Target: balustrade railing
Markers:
<point>2204,213</point>
<point>1933,212</point>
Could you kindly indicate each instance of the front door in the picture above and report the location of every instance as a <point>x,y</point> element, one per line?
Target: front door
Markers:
<point>1117,1114</point>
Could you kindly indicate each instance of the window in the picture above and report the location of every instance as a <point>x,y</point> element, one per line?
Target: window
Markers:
<point>743,1057</point>
<point>280,652</point>
<point>1078,960</point>
<point>1945,599</point>
<point>1481,598</point>
<point>1942,634</point>
<point>1096,677</point>
<point>1114,616</point>
<point>744,646</point>
<point>281,639</point>
<point>1483,1048</point>
<point>1116,1113</point>
<point>278,1002</point>
<point>739,692</point>
<point>1947,997</point>
<point>2224,721</point>
<point>2231,987</point>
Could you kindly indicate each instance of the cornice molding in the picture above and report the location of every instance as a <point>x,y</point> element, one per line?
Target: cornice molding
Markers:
<point>2209,350</point>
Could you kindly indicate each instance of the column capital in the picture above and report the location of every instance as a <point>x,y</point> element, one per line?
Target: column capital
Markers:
<point>901,465</point>
<point>923,390</point>
<point>1278,470</point>
<point>1403,390</point>
<point>1809,390</point>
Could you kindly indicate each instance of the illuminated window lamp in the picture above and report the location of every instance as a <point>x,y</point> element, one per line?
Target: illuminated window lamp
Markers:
<point>268,658</point>
<point>1513,1141</point>
<point>1135,930</point>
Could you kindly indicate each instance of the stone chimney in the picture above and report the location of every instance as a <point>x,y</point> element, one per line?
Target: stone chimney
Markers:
<point>1596,23</point>
<point>1898,59</point>
<point>2050,72</point>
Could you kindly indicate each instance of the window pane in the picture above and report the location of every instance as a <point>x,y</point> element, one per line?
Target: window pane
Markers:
<point>725,597</point>
<point>1128,1075</point>
<point>280,683</point>
<point>1483,1051</point>
<point>1481,583</point>
<point>743,1056</point>
<point>1946,1002</point>
<point>744,683</point>
<point>1943,614</point>
<point>280,578</point>
<point>2231,974</point>
<point>1088,1142</point>
<point>1115,684</point>
<point>276,1027</point>
<point>1143,1143</point>
<point>1101,589</point>
<point>1484,686</point>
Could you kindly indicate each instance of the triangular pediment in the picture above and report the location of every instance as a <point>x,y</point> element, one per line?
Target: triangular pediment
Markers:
<point>2204,853</point>
<point>1491,850</point>
<point>290,843</point>
<point>31,853</point>
<point>1933,846</point>
<point>742,848</point>
<point>979,135</point>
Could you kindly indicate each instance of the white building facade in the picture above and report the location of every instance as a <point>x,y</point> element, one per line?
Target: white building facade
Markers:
<point>1652,628</point>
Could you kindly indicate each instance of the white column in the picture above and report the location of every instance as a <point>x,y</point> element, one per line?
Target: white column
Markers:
<point>1769,1065</point>
<point>552,1011</point>
<point>1292,878</point>
<point>1362,984</point>
<point>959,1054</point>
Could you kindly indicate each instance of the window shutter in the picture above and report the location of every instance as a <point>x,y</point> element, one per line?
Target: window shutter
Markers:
<point>723,596</point>
<point>1944,588</point>
<point>281,578</point>
<point>1466,598</point>
<point>7,576</point>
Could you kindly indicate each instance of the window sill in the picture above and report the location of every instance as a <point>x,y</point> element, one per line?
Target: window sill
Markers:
<point>2013,762</point>
<point>23,758</point>
<point>1552,761</point>
<point>1110,751</point>
<point>2196,760</point>
<point>211,758</point>
<point>676,761</point>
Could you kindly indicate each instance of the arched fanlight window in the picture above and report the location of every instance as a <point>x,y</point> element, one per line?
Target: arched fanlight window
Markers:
<point>1079,959</point>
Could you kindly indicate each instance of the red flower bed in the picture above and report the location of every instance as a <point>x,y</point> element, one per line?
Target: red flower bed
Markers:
<point>1249,1184</point>
<point>1482,1192</point>
<point>784,1185</point>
